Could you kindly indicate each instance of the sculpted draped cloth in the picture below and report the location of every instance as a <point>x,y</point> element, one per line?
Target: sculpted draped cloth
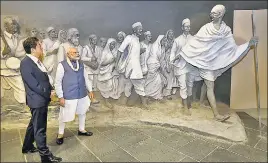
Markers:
<point>212,50</point>
<point>107,78</point>
<point>155,80</point>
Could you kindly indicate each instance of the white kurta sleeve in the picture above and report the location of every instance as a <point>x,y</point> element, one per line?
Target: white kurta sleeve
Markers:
<point>88,83</point>
<point>124,44</point>
<point>58,80</point>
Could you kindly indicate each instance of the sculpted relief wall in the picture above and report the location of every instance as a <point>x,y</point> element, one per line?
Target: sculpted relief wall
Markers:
<point>103,19</point>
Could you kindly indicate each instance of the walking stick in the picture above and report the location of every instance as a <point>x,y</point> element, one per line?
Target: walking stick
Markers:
<point>256,71</point>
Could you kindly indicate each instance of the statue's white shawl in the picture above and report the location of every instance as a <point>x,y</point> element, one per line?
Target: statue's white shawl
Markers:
<point>212,49</point>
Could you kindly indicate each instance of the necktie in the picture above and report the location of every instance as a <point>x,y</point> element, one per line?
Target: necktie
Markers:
<point>39,63</point>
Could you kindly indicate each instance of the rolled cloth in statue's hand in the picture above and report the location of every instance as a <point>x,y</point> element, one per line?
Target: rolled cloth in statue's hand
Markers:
<point>212,49</point>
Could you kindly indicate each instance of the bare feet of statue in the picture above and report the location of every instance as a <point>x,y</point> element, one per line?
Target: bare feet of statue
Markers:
<point>144,102</point>
<point>169,97</point>
<point>123,100</point>
<point>187,112</point>
<point>108,104</point>
<point>222,118</point>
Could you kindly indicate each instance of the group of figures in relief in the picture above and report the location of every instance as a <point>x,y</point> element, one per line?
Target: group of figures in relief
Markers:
<point>155,70</point>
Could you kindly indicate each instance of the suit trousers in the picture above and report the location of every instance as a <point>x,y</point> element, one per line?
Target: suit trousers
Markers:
<point>36,131</point>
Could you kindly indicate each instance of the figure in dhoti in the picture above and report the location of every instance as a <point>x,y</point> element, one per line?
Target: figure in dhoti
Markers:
<point>10,60</point>
<point>72,87</point>
<point>184,72</point>
<point>90,59</point>
<point>213,51</point>
<point>146,46</point>
<point>129,62</point>
<point>50,47</point>
<point>123,86</point>
<point>157,77</point>
<point>107,77</point>
<point>171,80</point>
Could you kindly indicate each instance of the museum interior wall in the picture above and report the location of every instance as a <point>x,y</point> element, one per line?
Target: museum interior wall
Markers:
<point>107,18</point>
<point>243,83</point>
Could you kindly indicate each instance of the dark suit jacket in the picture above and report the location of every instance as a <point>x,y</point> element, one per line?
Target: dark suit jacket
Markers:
<point>36,83</point>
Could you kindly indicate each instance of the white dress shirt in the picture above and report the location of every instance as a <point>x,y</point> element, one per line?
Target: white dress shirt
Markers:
<point>41,66</point>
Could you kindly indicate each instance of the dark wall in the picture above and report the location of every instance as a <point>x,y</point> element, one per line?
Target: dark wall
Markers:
<point>106,18</point>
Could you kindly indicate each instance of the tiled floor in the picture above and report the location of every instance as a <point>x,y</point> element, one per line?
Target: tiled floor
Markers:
<point>141,144</point>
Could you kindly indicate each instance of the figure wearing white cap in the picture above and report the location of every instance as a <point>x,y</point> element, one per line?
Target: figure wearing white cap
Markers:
<point>90,59</point>
<point>184,72</point>
<point>129,62</point>
<point>213,51</point>
<point>146,44</point>
<point>50,48</point>
<point>10,60</point>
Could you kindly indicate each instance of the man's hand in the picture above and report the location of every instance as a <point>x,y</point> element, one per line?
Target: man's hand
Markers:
<point>62,102</point>
<point>91,95</point>
<point>253,42</point>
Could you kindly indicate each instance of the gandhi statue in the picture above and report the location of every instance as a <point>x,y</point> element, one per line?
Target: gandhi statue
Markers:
<point>213,51</point>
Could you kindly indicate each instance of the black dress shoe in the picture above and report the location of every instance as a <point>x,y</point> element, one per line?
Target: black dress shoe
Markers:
<point>59,141</point>
<point>50,159</point>
<point>88,133</point>
<point>33,150</point>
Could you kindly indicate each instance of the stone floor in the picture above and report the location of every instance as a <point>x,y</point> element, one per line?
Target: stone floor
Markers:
<point>142,144</point>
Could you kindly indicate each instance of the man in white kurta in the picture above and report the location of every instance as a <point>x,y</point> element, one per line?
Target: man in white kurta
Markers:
<point>183,71</point>
<point>50,47</point>
<point>129,63</point>
<point>10,60</point>
<point>71,85</point>
<point>213,51</point>
<point>90,59</point>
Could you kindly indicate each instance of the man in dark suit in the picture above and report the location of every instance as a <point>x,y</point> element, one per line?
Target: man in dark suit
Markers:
<point>38,92</point>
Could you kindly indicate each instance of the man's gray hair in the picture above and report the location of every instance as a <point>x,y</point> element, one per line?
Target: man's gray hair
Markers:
<point>71,32</point>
